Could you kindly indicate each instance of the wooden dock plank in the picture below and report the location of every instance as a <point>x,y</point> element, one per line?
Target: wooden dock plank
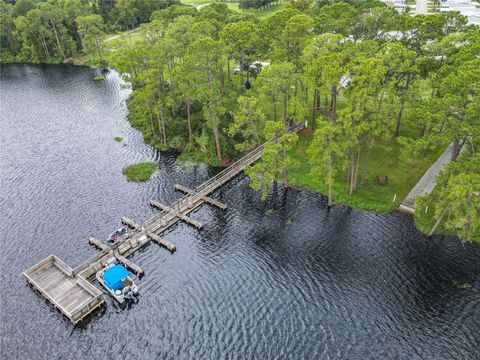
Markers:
<point>54,280</point>
<point>95,242</point>
<point>170,246</point>
<point>203,197</point>
<point>129,263</point>
<point>130,222</point>
<point>178,213</point>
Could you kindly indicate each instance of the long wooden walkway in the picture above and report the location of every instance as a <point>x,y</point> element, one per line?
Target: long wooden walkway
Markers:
<point>138,237</point>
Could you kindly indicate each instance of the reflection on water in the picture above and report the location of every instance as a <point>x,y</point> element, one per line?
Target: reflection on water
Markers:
<point>299,281</point>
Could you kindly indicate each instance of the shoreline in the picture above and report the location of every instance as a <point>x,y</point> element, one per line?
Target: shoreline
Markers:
<point>188,161</point>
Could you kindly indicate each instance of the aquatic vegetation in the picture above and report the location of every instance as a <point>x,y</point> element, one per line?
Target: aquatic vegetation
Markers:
<point>140,172</point>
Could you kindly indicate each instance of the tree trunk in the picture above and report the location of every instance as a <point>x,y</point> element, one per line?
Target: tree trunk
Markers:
<point>228,69</point>
<point>162,118</point>
<point>314,109</point>
<point>60,48</point>
<point>399,118</point>
<point>151,121</point>
<point>422,131</point>
<point>347,176</point>
<point>216,133</point>
<point>334,103</point>
<point>357,165</point>
<point>274,107</point>
<point>189,123</point>
<point>285,109</point>
<point>365,166</point>
<point>218,144</point>
<point>352,173</point>
<point>11,40</point>
<point>44,45</point>
<point>172,89</point>
<point>285,177</point>
<point>456,148</point>
<point>439,220</point>
<point>325,106</point>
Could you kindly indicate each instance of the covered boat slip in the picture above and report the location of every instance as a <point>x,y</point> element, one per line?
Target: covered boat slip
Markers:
<point>74,296</point>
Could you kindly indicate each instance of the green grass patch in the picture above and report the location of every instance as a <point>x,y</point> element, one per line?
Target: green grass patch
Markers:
<point>197,2</point>
<point>141,171</point>
<point>262,14</point>
<point>234,5</point>
<point>118,138</point>
<point>384,160</point>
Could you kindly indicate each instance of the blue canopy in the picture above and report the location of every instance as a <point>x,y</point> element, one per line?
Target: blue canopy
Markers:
<point>113,277</point>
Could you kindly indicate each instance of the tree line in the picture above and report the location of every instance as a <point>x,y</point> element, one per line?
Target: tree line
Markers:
<point>214,83</point>
<point>358,72</point>
<point>55,30</point>
<point>257,4</point>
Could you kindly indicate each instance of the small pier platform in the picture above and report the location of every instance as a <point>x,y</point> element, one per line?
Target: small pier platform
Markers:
<point>72,295</point>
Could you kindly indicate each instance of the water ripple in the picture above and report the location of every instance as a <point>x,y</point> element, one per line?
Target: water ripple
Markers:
<point>293,280</point>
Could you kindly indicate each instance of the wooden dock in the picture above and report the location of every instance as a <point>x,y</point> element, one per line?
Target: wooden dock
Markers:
<point>69,290</point>
<point>72,295</point>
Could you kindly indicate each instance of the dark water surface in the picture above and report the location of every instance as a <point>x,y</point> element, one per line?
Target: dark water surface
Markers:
<point>297,282</point>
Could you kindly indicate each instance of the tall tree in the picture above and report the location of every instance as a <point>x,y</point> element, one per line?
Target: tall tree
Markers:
<point>275,160</point>
<point>90,27</point>
<point>327,145</point>
<point>241,40</point>
<point>205,59</point>
<point>248,122</point>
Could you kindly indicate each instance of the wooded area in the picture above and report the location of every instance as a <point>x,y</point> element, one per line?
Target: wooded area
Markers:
<point>359,72</point>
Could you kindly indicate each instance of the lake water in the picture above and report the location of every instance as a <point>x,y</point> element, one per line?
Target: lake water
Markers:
<point>295,280</point>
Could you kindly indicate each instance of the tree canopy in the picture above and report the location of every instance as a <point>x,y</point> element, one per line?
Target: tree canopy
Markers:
<point>213,83</point>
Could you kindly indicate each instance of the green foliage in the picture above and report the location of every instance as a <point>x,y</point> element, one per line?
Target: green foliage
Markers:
<point>257,4</point>
<point>454,205</point>
<point>326,154</point>
<point>140,172</point>
<point>248,122</point>
<point>384,160</point>
<point>54,31</point>
<point>384,93</point>
<point>118,138</point>
<point>275,159</point>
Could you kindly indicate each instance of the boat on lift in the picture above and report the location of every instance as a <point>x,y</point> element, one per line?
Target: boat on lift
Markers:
<point>118,282</point>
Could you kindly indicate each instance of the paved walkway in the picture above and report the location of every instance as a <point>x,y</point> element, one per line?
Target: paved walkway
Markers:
<point>427,182</point>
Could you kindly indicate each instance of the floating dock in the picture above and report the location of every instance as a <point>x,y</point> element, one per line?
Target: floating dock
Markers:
<point>69,289</point>
<point>72,295</point>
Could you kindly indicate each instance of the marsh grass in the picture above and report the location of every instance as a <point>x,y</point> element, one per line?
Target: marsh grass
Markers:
<point>141,171</point>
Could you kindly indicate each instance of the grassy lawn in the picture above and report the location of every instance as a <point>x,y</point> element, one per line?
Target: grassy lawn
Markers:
<point>125,39</point>
<point>261,14</point>
<point>141,171</point>
<point>384,160</point>
<point>197,2</point>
